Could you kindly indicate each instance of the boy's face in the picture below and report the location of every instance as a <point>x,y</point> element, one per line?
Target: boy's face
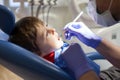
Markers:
<point>51,41</point>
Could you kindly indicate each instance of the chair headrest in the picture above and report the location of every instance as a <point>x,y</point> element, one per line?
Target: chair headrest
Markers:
<point>7,19</point>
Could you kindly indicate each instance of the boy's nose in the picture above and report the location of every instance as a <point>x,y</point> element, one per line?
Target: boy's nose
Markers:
<point>52,29</point>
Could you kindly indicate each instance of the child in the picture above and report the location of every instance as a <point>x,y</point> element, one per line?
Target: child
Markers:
<point>32,34</point>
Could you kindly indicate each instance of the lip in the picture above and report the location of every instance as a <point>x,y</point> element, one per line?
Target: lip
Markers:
<point>58,38</point>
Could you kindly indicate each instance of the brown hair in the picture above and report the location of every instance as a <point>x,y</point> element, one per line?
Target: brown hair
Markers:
<point>25,33</point>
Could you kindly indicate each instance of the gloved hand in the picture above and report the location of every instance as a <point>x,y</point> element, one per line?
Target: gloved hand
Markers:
<point>83,33</point>
<point>76,60</point>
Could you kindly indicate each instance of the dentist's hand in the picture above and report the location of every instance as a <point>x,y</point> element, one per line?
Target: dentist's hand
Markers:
<point>83,33</point>
<point>76,60</point>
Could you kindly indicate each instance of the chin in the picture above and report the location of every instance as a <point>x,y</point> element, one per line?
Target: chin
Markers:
<point>60,44</point>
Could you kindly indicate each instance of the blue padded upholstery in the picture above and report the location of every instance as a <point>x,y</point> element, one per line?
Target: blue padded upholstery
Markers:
<point>7,19</point>
<point>24,58</point>
<point>95,56</point>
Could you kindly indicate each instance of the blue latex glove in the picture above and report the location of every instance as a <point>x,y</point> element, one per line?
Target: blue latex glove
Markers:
<point>76,60</point>
<point>83,33</point>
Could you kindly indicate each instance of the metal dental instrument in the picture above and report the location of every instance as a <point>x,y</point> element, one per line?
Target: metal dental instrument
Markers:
<point>67,34</point>
<point>79,15</point>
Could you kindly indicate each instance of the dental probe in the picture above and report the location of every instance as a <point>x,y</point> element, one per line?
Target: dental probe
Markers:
<point>79,15</point>
<point>67,34</point>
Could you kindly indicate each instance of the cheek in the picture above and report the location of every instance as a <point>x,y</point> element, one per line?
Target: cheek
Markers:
<point>52,42</point>
<point>55,43</point>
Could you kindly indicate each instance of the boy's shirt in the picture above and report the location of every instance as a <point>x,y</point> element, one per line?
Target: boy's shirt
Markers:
<point>58,59</point>
<point>50,57</point>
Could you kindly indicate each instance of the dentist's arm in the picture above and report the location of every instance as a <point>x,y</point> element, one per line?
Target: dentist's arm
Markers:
<point>89,76</point>
<point>110,51</point>
<point>85,35</point>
